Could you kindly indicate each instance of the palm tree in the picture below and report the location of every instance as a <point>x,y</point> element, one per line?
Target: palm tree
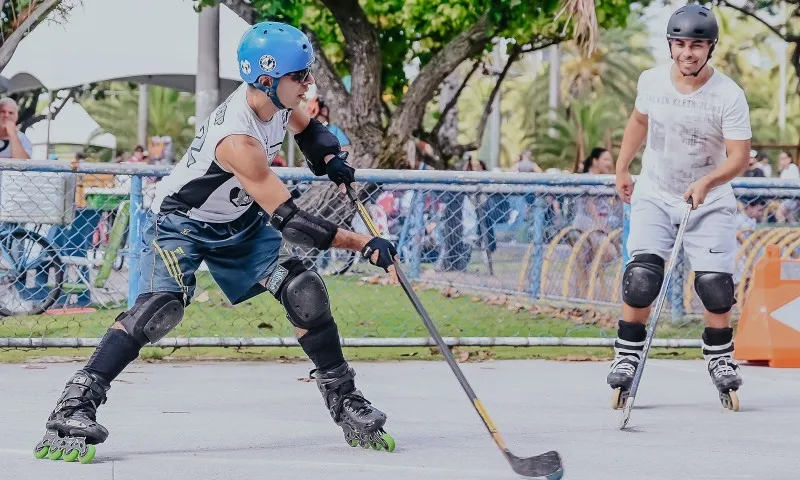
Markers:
<point>614,67</point>
<point>169,112</point>
<point>577,129</point>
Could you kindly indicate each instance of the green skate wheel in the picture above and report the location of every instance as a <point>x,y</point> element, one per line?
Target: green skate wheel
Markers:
<point>389,442</point>
<point>90,452</point>
<point>56,453</point>
<point>353,442</point>
<point>71,455</point>
<point>42,452</point>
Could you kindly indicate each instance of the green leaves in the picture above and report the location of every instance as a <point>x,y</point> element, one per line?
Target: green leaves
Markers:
<point>421,28</point>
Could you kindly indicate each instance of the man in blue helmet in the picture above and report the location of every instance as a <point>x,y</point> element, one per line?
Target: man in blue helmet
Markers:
<point>223,205</point>
<point>695,124</point>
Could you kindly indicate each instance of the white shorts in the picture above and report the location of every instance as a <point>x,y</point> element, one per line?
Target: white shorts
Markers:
<point>709,241</point>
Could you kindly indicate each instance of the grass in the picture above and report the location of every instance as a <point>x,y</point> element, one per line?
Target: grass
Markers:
<point>363,310</point>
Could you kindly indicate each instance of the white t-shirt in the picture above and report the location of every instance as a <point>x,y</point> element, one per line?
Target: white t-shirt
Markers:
<point>791,172</point>
<point>5,145</point>
<point>687,132</point>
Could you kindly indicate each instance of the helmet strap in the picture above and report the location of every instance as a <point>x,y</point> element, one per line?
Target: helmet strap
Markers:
<point>710,52</point>
<point>272,92</point>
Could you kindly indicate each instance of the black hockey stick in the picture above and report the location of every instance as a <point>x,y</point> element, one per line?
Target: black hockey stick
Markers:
<point>546,466</point>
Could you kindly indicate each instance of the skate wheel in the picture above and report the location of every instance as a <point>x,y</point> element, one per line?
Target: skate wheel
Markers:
<point>730,400</point>
<point>388,442</point>
<point>90,452</point>
<point>71,455</point>
<point>42,452</point>
<point>56,453</point>
<point>618,398</point>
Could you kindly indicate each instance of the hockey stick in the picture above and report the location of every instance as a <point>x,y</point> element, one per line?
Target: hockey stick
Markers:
<point>654,314</point>
<point>546,466</point>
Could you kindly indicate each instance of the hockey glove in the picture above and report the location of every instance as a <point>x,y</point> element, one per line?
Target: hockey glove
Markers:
<point>339,171</point>
<point>385,249</point>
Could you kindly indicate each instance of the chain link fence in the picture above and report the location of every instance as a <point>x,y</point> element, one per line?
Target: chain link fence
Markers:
<point>497,258</point>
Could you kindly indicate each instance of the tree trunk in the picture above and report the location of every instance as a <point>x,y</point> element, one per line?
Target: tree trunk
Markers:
<point>10,44</point>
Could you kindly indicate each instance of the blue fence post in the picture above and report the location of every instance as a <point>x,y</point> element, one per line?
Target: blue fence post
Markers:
<point>537,256</point>
<point>135,239</point>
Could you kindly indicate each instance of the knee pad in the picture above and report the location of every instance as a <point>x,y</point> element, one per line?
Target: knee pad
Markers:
<point>153,316</point>
<point>715,290</point>
<point>302,293</point>
<point>642,280</point>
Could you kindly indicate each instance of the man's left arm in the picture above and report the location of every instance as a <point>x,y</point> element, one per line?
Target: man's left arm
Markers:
<point>737,134</point>
<point>737,161</point>
<point>324,155</point>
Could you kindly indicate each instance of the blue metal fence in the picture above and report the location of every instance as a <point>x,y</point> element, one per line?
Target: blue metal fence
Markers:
<point>525,226</point>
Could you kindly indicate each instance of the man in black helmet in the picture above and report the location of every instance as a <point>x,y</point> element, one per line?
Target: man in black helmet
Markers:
<point>696,123</point>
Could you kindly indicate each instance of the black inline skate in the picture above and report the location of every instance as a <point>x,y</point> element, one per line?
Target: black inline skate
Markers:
<point>623,368</point>
<point>72,430</point>
<point>361,422</point>
<point>725,374</point>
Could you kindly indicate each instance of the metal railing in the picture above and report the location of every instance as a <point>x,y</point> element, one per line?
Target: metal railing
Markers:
<point>499,258</point>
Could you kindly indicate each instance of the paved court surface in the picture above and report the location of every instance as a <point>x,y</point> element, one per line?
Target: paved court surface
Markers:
<point>256,420</point>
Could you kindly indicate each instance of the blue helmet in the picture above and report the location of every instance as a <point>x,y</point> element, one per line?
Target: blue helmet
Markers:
<point>274,49</point>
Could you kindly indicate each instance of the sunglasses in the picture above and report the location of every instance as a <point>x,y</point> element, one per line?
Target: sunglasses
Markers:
<point>300,76</point>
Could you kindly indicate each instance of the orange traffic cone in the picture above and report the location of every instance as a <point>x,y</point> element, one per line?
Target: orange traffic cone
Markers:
<point>769,325</point>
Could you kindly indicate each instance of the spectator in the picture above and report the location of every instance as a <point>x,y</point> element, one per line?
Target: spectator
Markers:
<point>486,211</point>
<point>599,162</point>
<point>763,164</point>
<point>751,214</point>
<point>526,164</point>
<point>13,143</point>
<point>596,214</point>
<point>140,155</point>
<point>324,117</point>
<point>789,170</point>
<point>753,169</point>
<point>787,210</point>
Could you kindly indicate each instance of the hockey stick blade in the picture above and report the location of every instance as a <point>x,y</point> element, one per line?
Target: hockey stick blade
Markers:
<point>546,466</point>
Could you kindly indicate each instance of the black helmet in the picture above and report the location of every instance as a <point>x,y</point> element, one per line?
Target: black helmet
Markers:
<point>693,21</point>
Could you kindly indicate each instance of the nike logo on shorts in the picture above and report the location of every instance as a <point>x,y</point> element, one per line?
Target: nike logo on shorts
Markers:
<point>711,250</point>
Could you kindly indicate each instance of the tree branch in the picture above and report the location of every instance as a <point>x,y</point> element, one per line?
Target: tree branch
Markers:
<point>466,45</point>
<point>453,101</point>
<point>364,54</point>
<point>53,112</point>
<point>459,150</point>
<point>752,14</point>
<point>331,86</point>
<point>10,45</point>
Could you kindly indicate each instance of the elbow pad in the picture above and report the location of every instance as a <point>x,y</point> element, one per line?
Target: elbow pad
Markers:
<point>302,228</point>
<point>316,141</point>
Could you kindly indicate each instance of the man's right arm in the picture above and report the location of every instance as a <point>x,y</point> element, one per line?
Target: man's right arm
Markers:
<point>632,139</point>
<point>243,156</point>
<point>20,149</point>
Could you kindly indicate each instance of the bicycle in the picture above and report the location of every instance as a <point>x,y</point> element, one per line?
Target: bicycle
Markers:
<point>38,274</point>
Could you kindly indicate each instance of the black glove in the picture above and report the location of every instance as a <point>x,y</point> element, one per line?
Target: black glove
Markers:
<point>339,171</point>
<point>386,252</point>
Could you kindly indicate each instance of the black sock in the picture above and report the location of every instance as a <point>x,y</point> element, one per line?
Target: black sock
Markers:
<point>116,350</point>
<point>323,347</point>
<point>631,332</point>
<point>717,336</point>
